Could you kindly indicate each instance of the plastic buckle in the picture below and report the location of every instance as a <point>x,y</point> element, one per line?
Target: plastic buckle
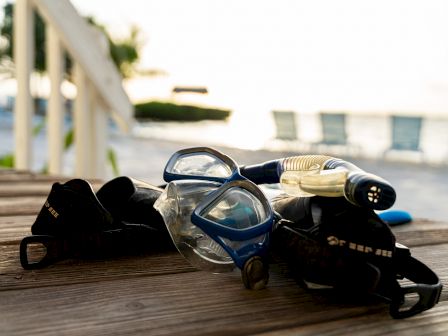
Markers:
<point>429,296</point>
<point>255,273</point>
<point>53,251</point>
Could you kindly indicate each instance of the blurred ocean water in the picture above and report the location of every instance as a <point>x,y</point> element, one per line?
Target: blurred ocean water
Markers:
<point>370,134</point>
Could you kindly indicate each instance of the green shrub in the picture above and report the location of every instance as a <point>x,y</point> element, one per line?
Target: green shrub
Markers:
<point>170,111</point>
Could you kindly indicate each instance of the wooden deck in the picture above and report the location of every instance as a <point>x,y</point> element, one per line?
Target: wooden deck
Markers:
<point>161,294</point>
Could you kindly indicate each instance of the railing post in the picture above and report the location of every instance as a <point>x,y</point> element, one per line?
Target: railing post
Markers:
<point>99,138</point>
<point>94,74</point>
<point>90,129</point>
<point>99,118</point>
<point>55,113</point>
<point>82,124</point>
<point>23,58</point>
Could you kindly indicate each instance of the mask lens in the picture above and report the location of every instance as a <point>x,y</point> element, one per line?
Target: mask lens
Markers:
<point>176,205</point>
<point>200,164</point>
<point>236,208</point>
<point>239,209</point>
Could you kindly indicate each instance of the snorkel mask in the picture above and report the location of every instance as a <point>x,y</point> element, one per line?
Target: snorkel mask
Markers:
<point>217,219</point>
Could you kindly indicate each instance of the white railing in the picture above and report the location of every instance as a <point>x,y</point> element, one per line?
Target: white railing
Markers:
<point>99,87</point>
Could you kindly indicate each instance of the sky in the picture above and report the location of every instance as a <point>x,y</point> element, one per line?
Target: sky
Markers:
<point>260,55</point>
<point>292,54</point>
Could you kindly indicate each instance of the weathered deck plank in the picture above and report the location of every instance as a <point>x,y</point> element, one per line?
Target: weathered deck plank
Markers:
<point>21,206</point>
<point>17,176</point>
<point>200,303</point>
<point>24,189</point>
<point>185,304</point>
<point>431,322</point>
<point>14,228</point>
<point>13,276</point>
<point>32,187</point>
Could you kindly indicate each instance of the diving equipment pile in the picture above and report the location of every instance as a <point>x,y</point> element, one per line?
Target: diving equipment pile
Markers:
<point>322,223</point>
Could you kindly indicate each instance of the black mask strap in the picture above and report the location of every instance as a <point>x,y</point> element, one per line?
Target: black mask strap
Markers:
<point>38,251</point>
<point>51,249</point>
<point>427,287</point>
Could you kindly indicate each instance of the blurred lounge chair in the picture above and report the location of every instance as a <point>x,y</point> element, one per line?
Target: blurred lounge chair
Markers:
<point>405,137</point>
<point>10,102</point>
<point>286,131</point>
<point>285,125</point>
<point>334,136</point>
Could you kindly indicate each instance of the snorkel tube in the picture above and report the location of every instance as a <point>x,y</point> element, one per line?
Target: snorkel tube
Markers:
<point>323,175</point>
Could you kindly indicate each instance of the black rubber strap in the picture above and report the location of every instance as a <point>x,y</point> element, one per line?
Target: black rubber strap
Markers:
<point>56,249</point>
<point>89,244</point>
<point>426,284</point>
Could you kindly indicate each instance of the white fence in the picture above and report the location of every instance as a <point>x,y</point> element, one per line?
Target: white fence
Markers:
<point>99,88</point>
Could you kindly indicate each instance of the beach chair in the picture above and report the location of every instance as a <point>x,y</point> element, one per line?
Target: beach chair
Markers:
<point>333,129</point>
<point>285,125</point>
<point>10,102</point>
<point>286,132</point>
<point>405,136</point>
<point>406,133</point>
<point>334,135</point>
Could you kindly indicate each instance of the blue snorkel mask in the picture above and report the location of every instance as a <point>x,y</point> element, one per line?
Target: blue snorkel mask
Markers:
<point>217,218</point>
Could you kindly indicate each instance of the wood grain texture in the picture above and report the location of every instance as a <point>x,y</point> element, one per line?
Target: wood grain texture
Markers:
<point>31,188</point>
<point>167,300</point>
<point>184,304</point>
<point>14,228</point>
<point>21,206</point>
<point>76,271</point>
<point>431,322</point>
<point>18,176</point>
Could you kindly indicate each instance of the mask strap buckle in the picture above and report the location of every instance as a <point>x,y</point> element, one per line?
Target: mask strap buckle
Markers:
<point>428,296</point>
<point>55,249</point>
<point>255,273</point>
